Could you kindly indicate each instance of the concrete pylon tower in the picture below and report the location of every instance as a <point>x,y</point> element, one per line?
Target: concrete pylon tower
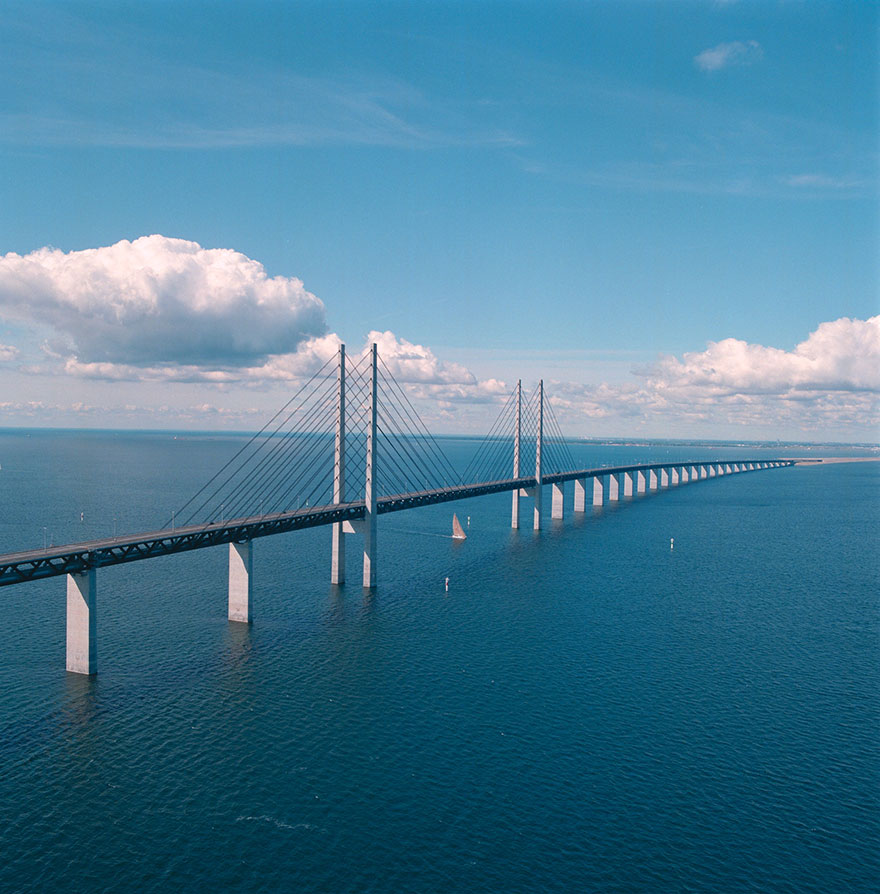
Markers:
<point>370,493</point>
<point>539,443</point>
<point>337,549</point>
<point>517,431</point>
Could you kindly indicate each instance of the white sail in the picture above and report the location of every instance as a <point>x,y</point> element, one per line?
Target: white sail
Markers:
<point>457,530</point>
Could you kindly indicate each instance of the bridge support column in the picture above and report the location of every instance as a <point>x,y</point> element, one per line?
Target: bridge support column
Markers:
<point>629,483</point>
<point>654,479</point>
<point>82,623</point>
<point>558,501</point>
<point>641,481</point>
<point>601,489</point>
<point>580,494</point>
<point>616,486</point>
<point>674,476</point>
<point>241,572</point>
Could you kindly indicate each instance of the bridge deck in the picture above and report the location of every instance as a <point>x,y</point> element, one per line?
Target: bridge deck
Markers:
<point>74,558</point>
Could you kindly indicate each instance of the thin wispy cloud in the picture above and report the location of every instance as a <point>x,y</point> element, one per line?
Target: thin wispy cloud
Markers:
<point>824,182</point>
<point>144,99</point>
<point>725,55</point>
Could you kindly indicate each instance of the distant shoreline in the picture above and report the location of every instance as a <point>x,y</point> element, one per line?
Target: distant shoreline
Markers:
<point>835,459</point>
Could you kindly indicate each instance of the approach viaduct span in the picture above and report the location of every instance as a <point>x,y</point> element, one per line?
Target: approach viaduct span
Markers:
<point>289,464</point>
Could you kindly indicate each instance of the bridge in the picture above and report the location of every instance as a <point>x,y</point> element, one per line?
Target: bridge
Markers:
<point>348,447</point>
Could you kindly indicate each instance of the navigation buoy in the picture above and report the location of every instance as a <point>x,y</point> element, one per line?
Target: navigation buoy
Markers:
<point>469,521</point>
<point>447,584</point>
<point>672,543</point>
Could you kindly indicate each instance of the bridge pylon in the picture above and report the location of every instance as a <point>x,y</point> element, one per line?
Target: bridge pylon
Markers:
<point>337,548</point>
<point>370,481</point>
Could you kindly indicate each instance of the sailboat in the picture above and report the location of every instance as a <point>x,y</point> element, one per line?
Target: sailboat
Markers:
<point>457,530</point>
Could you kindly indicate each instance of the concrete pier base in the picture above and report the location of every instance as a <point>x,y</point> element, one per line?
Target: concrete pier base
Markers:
<point>337,555</point>
<point>580,494</point>
<point>241,568</point>
<point>369,578</point>
<point>616,486</point>
<point>641,482</point>
<point>601,486</point>
<point>514,515</point>
<point>653,479</point>
<point>539,505</point>
<point>558,502</point>
<point>82,623</point>
<point>629,483</point>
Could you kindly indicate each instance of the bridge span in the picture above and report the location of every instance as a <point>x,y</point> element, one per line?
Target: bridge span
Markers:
<point>271,458</point>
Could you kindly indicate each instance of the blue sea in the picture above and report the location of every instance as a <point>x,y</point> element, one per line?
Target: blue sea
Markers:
<point>584,709</point>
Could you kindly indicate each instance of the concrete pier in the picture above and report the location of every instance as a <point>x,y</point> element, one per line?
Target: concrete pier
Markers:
<point>629,483</point>
<point>580,494</point>
<point>82,623</point>
<point>616,486</point>
<point>641,482</point>
<point>653,479</point>
<point>241,572</point>
<point>558,502</point>
<point>601,485</point>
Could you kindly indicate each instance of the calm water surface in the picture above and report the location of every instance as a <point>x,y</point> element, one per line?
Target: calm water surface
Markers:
<point>584,710</point>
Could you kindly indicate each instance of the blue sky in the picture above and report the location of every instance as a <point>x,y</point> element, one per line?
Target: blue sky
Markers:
<point>596,193</point>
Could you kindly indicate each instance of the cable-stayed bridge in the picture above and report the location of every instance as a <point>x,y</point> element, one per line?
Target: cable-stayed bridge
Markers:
<point>348,447</point>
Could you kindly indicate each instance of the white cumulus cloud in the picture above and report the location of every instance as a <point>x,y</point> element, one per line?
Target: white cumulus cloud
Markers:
<point>843,355</point>
<point>830,381</point>
<point>8,352</point>
<point>410,362</point>
<point>429,378</point>
<point>159,300</point>
<point>736,52</point>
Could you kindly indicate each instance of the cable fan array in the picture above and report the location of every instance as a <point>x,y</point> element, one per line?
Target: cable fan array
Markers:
<point>494,458</point>
<point>290,464</point>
